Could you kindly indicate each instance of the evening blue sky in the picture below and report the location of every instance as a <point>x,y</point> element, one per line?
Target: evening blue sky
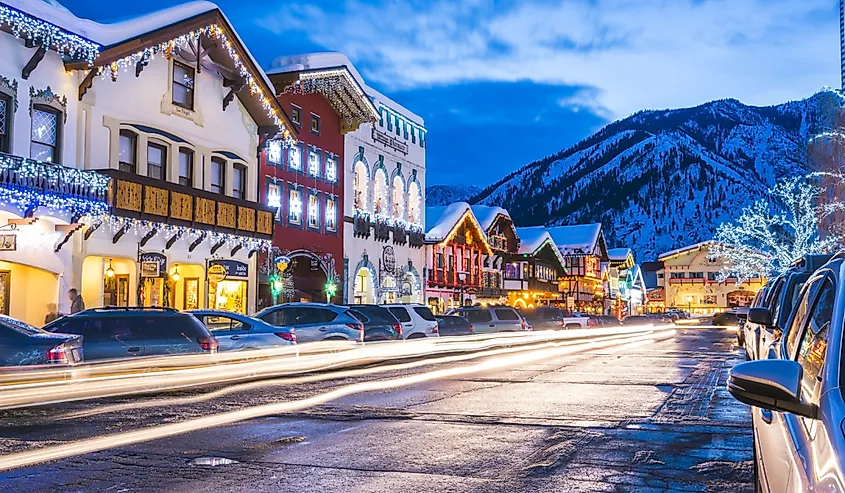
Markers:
<point>502,83</point>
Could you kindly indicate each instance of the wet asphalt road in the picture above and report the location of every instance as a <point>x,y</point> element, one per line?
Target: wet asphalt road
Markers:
<point>650,418</point>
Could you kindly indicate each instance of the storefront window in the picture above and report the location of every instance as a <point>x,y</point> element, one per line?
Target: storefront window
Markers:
<point>228,295</point>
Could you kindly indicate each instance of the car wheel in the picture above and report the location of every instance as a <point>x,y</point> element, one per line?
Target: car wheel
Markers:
<point>416,335</point>
<point>572,326</point>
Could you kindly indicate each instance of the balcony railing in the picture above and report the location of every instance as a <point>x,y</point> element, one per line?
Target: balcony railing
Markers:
<point>450,278</point>
<point>48,184</point>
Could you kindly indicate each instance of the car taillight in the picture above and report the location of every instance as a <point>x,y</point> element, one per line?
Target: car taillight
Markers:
<point>592,323</point>
<point>471,328</point>
<point>208,344</point>
<point>398,328</point>
<point>57,354</point>
<point>436,329</point>
<point>288,336</point>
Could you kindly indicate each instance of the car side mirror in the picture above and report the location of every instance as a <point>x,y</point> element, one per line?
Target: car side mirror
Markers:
<point>773,384</point>
<point>760,316</point>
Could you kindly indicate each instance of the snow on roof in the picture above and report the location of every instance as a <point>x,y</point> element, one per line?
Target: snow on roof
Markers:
<point>618,254</point>
<point>310,61</point>
<point>530,239</point>
<point>577,238</point>
<point>112,33</point>
<point>695,246</point>
<point>486,215</point>
<point>439,221</point>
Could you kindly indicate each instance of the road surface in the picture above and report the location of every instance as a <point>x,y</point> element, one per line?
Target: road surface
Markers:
<point>650,418</point>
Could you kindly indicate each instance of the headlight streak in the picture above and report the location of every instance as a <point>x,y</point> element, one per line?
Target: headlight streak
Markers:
<point>253,365</point>
<point>176,401</point>
<point>95,444</point>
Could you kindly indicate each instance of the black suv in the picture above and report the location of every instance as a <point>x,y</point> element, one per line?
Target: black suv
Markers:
<point>119,332</point>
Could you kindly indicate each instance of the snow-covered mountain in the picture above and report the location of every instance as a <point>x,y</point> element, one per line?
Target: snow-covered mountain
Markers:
<point>659,180</point>
<point>447,194</point>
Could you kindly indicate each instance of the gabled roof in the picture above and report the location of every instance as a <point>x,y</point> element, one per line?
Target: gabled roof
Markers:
<point>123,44</point>
<point>685,249</point>
<point>336,84</point>
<point>619,254</point>
<point>534,238</point>
<point>651,266</point>
<point>487,215</point>
<point>440,222</point>
<point>579,239</point>
<point>326,60</point>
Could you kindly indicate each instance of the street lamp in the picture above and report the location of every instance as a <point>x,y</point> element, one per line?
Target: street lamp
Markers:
<point>462,279</point>
<point>689,305</point>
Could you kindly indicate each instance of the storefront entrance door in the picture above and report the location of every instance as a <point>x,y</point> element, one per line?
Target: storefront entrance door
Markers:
<point>5,281</point>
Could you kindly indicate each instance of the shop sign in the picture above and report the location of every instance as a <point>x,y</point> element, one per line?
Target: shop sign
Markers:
<point>592,267</point>
<point>153,264</point>
<point>8,243</point>
<point>389,259</point>
<point>216,273</point>
<point>570,302</point>
<point>232,268</point>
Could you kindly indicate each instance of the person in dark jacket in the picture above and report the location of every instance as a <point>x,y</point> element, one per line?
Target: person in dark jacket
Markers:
<point>76,302</point>
<point>52,313</point>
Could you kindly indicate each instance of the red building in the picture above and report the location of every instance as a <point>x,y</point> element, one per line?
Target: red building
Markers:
<point>305,183</point>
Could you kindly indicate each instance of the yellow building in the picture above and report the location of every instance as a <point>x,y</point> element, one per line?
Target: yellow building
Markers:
<point>691,282</point>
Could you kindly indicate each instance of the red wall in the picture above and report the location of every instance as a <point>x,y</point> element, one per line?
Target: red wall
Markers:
<point>330,139</point>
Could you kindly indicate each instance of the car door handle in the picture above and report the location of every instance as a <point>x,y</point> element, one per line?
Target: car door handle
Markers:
<point>235,338</point>
<point>767,416</point>
<point>323,329</point>
<point>492,325</point>
<point>134,349</point>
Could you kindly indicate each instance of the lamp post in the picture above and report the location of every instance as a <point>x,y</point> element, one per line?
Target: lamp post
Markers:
<point>462,279</point>
<point>689,305</point>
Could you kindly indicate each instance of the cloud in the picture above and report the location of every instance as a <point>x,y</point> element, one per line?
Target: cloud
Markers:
<point>634,54</point>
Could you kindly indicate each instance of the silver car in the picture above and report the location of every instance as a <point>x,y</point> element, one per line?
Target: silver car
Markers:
<point>492,319</point>
<point>315,321</point>
<point>236,332</point>
<point>795,388</point>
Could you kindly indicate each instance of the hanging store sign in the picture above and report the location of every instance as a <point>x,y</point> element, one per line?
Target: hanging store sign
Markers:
<point>153,264</point>
<point>8,243</point>
<point>232,268</point>
<point>216,273</point>
<point>388,257</point>
<point>592,267</point>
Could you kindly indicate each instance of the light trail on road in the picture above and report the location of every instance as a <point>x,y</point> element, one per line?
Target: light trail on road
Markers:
<point>95,444</point>
<point>320,377</point>
<point>159,374</point>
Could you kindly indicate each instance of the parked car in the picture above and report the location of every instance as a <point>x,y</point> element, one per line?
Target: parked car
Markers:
<point>727,318</point>
<point>236,332</point>
<point>315,321</point>
<point>796,393</point>
<point>379,323</point>
<point>638,320</point>
<point>417,320</point>
<point>600,321</point>
<point>120,332</point>
<point>742,333</point>
<point>677,314</point>
<point>779,302</point>
<point>451,325</point>
<point>493,319</point>
<point>553,318</point>
<point>22,344</point>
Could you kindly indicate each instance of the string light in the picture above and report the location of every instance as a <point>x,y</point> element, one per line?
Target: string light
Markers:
<point>342,92</point>
<point>184,41</point>
<point>140,226</point>
<point>45,34</point>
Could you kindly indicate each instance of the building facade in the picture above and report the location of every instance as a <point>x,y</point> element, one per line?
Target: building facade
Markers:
<point>305,183</point>
<point>455,249</point>
<point>533,278</point>
<point>691,282</point>
<point>585,255</point>
<point>504,242</point>
<point>131,171</point>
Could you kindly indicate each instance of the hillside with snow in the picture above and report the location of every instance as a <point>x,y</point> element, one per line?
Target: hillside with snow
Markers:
<point>659,180</point>
<point>446,194</point>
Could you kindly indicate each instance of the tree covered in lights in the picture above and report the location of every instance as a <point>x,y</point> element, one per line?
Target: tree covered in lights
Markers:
<point>777,229</point>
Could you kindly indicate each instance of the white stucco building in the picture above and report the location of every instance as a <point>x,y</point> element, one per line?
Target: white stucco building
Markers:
<point>169,109</point>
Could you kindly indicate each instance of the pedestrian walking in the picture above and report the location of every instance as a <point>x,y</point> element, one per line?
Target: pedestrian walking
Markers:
<point>76,302</point>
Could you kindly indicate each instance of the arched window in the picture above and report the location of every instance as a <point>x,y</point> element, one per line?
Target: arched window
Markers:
<point>414,203</point>
<point>398,197</point>
<point>380,192</point>
<point>360,185</point>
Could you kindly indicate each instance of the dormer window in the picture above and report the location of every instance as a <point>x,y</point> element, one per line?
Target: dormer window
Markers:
<point>44,145</point>
<point>183,85</point>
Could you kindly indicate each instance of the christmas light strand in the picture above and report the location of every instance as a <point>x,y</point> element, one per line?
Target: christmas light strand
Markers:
<point>142,227</point>
<point>48,35</point>
<point>184,41</point>
<point>31,199</point>
<point>55,174</point>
